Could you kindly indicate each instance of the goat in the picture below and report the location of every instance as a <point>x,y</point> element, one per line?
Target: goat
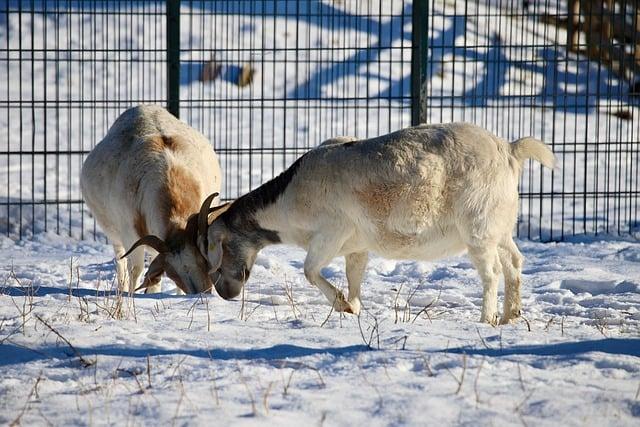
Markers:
<point>142,183</point>
<point>420,193</point>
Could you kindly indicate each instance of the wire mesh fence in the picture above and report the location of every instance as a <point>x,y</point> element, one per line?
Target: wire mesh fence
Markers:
<point>309,71</point>
<point>564,71</point>
<point>267,80</point>
<point>68,70</point>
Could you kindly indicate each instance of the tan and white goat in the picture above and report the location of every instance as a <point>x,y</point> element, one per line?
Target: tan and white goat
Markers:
<point>144,183</point>
<point>419,193</point>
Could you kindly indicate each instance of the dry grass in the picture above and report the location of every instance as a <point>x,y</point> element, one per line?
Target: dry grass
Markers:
<point>460,380</point>
<point>403,312</point>
<point>27,403</point>
<point>83,360</point>
<point>254,410</point>
<point>373,329</point>
<point>288,290</point>
<point>475,382</point>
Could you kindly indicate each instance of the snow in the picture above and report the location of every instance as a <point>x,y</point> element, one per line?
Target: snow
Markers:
<point>279,356</point>
<point>74,351</point>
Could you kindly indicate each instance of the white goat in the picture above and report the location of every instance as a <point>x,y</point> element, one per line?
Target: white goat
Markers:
<point>419,193</point>
<point>144,181</point>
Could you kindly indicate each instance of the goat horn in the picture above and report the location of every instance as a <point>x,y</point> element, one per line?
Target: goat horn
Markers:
<point>153,241</point>
<point>217,208</point>
<point>156,269</point>
<point>203,216</point>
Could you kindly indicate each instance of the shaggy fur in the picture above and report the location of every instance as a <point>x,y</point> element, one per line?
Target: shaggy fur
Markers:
<point>148,175</point>
<point>420,193</point>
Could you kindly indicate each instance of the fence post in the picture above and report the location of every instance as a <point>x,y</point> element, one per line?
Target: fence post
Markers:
<point>173,57</point>
<point>419,34</point>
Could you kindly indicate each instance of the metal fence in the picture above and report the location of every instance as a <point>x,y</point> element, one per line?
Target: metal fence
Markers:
<point>68,70</point>
<point>565,71</point>
<point>267,80</point>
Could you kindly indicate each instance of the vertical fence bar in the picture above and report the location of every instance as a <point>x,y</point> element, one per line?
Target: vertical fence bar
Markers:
<point>419,34</point>
<point>173,57</point>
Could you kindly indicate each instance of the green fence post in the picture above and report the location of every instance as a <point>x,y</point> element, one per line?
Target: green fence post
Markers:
<point>419,36</point>
<point>173,57</point>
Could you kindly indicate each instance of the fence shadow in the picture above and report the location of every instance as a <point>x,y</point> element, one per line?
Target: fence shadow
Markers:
<point>41,291</point>
<point>592,81</point>
<point>618,346</point>
<point>14,354</point>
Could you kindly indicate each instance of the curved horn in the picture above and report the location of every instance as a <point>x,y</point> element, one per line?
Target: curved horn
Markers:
<point>153,241</point>
<point>203,216</point>
<point>156,269</point>
<point>217,208</point>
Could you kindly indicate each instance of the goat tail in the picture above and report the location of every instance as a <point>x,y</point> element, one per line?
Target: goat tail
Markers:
<point>531,148</point>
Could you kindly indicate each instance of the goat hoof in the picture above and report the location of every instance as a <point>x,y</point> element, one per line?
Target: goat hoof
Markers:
<point>341,305</point>
<point>510,317</point>
<point>490,319</point>
<point>354,305</point>
<point>352,309</point>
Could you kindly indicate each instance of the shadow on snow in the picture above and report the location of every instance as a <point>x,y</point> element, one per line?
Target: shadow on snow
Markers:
<point>618,346</point>
<point>14,354</point>
<point>495,65</point>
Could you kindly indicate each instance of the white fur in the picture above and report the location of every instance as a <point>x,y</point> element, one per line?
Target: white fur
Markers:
<point>338,140</point>
<point>419,193</point>
<point>125,176</point>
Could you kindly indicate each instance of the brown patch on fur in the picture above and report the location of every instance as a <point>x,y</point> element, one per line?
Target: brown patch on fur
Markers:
<point>171,142</point>
<point>163,142</point>
<point>178,236</point>
<point>183,195</point>
<point>187,233</point>
<point>155,143</point>
<point>378,199</point>
<point>401,211</point>
<point>140,224</point>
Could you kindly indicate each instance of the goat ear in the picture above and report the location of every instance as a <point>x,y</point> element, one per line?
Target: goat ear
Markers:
<point>156,269</point>
<point>201,241</point>
<point>203,215</point>
<point>215,255</point>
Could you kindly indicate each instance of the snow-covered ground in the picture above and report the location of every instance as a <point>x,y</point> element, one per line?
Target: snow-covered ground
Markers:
<point>416,356</point>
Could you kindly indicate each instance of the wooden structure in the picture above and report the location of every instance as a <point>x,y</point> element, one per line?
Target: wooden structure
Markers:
<point>611,30</point>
